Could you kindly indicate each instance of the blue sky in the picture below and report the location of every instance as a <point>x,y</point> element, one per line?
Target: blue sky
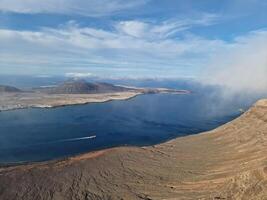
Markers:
<point>133,38</point>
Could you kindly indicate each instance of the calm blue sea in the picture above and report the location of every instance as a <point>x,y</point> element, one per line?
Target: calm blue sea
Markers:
<point>42,134</point>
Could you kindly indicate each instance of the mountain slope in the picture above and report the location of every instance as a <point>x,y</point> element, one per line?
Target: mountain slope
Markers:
<point>227,163</point>
<point>5,88</point>
<point>83,87</point>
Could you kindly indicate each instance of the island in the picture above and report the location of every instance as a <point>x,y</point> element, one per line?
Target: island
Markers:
<point>229,162</point>
<point>70,93</point>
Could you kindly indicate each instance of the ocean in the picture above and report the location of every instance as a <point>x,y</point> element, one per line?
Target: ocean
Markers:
<point>30,135</point>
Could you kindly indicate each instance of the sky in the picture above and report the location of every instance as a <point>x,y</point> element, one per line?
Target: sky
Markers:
<point>212,40</point>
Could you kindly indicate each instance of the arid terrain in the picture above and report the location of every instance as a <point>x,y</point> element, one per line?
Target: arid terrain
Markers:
<point>10,101</point>
<point>229,162</point>
<point>71,93</point>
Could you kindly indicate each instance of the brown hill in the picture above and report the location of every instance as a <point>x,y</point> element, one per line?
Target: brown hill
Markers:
<point>227,163</point>
<point>5,88</point>
<point>83,87</point>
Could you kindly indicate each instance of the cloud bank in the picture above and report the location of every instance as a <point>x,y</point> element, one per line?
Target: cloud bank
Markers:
<point>242,65</point>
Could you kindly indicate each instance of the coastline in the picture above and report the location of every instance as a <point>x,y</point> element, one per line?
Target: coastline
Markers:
<point>69,100</point>
<point>226,163</point>
<point>15,101</point>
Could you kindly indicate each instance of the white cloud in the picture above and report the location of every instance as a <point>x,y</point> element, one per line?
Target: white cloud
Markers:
<point>78,7</point>
<point>132,36</point>
<point>70,47</point>
<point>133,28</point>
<point>78,75</point>
<point>242,65</point>
<point>151,47</point>
<point>164,29</point>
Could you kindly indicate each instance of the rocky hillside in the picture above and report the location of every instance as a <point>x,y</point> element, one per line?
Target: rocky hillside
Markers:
<point>5,88</point>
<point>227,163</point>
<point>82,87</point>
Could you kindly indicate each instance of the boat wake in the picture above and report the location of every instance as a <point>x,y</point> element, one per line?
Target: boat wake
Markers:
<point>76,139</point>
<point>64,140</point>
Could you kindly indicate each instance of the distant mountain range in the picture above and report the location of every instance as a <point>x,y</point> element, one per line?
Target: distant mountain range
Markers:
<point>82,87</point>
<point>5,88</point>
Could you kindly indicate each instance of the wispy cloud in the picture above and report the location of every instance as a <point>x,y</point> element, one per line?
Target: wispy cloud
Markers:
<point>167,38</point>
<point>139,47</point>
<point>77,7</point>
<point>136,46</point>
<point>165,29</point>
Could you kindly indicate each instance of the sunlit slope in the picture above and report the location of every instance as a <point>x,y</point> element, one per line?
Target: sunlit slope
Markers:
<point>227,163</point>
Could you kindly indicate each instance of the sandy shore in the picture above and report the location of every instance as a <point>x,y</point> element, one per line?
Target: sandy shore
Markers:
<point>19,100</point>
<point>229,162</point>
<point>11,101</point>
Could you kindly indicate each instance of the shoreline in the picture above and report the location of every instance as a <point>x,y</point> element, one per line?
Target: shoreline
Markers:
<point>71,104</point>
<point>48,101</point>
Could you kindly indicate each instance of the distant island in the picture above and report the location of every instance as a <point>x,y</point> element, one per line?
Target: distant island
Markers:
<point>82,87</point>
<point>70,93</point>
